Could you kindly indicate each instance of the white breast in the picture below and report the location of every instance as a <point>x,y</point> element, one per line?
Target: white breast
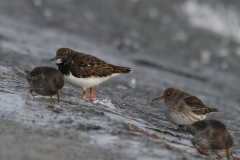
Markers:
<point>182,116</point>
<point>87,82</point>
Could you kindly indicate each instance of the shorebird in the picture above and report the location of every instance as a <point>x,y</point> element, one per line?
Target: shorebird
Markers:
<point>182,108</point>
<point>84,70</point>
<point>209,134</point>
<point>46,81</point>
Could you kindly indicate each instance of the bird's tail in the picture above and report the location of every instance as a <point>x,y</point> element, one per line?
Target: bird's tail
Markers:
<point>213,110</point>
<point>118,69</point>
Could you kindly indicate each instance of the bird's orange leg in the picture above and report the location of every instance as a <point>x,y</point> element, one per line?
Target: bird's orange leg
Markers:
<point>217,153</point>
<point>53,99</point>
<point>199,150</point>
<point>229,154</point>
<point>91,94</point>
<point>31,93</point>
<point>84,93</point>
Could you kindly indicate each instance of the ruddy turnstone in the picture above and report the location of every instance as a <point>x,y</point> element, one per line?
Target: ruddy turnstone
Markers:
<point>182,108</point>
<point>46,81</point>
<point>209,134</point>
<point>84,70</point>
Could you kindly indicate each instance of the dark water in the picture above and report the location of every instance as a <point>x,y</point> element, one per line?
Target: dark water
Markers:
<point>190,45</point>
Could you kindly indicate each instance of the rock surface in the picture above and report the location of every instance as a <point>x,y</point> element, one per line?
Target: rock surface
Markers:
<point>190,45</point>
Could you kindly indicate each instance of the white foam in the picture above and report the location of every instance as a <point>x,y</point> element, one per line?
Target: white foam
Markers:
<point>107,103</point>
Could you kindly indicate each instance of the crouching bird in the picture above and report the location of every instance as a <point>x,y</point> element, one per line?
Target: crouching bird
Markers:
<point>209,134</point>
<point>84,70</point>
<point>46,81</point>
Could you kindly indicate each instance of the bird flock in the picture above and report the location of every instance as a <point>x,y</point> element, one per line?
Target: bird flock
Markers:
<point>180,108</point>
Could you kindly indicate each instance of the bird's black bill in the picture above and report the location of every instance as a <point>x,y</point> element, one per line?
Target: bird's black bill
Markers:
<point>55,58</point>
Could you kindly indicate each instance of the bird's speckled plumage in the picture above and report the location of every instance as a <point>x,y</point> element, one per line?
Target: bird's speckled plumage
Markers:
<point>84,70</point>
<point>182,108</point>
<point>209,134</point>
<point>83,65</point>
<point>46,81</point>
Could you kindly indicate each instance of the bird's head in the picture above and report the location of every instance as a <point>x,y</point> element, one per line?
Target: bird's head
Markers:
<point>62,55</point>
<point>170,94</point>
<point>56,83</point>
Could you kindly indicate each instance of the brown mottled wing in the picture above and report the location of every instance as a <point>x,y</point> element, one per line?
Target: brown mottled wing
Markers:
<point>185,95</point>
<point>196,105</point>
<point>85,66</point>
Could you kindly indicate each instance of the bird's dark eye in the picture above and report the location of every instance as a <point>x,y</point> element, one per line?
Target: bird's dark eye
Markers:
<point>168,94</point>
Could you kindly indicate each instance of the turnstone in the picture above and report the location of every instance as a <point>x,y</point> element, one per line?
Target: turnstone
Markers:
<point>209,134</point>
<point>46,81</point>
<point>182,108</point>
<point>84,70</point>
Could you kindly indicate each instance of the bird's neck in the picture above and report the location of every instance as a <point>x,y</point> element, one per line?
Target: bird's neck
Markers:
<point>64,69</point>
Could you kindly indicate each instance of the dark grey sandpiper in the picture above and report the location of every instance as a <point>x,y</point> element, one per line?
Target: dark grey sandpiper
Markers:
<point>210,134</point>
<point>46,81</point>
<point>182,108</point>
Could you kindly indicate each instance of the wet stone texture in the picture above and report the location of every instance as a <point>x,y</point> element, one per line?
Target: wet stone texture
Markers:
<point>192,45</point>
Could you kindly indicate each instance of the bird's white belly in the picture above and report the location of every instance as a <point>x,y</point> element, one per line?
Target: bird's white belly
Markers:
<point>87,82</point>
<point>181,117</point>
<point>184,119</point>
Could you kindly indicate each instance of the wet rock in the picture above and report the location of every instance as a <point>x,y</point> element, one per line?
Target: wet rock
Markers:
<point>163,44</point>
<point>54,109</point>
<point>88,127</point>
<point>68,120</point>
